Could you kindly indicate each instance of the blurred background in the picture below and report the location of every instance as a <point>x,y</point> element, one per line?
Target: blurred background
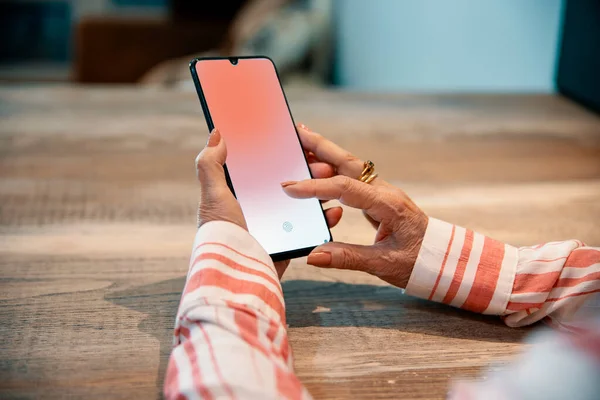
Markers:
<point>100,124</point>
<point>381,45</point>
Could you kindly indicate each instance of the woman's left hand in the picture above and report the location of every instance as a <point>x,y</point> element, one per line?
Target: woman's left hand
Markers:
<point>217,203</point>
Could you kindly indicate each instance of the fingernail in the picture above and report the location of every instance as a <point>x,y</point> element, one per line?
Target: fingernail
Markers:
<point>214,138</point>
<point>306,128</point>
<point>288,183</point>
<point>320,259</point>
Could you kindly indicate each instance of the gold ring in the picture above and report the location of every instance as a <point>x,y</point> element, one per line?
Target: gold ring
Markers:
<point>368,173</point>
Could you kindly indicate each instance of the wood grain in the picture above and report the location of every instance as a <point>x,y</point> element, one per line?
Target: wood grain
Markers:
<point>97,213</point>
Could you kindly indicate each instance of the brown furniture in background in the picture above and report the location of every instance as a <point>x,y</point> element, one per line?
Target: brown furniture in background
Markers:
<point>120,49</point>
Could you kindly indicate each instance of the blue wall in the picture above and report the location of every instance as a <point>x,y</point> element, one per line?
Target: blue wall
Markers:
<point>447,45</point>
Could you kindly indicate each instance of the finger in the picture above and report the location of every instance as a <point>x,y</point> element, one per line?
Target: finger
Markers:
<point>348,191</point>
<point>333,216</point>
<point>329,152</point>
<point>321,170</point>
<point>209,163</point>
<point>343,256</point>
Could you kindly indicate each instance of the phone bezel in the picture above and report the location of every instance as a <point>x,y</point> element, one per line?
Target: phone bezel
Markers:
<point>285,255</point>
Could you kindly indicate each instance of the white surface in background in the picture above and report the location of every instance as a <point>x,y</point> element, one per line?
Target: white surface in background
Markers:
<point>459,45</point>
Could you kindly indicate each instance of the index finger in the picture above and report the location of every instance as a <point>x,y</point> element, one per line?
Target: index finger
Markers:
<point>350,192</point>
<point>329,152</point>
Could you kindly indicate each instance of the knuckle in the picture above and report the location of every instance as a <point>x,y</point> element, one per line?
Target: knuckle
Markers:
<point>343,182</point>
<point>209,169</point>
<point>201,161</point>
<point>396,201</point>
<point>368,192</point>
<point>350,158</point>
<point>392,212</point>
<point>349,258</point>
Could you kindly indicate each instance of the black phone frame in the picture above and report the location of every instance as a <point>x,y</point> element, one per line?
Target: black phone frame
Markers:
<point>285,255</point>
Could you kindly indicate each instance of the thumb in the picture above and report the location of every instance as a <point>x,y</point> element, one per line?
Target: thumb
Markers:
<point>209,163</point>
<point>343,256</point>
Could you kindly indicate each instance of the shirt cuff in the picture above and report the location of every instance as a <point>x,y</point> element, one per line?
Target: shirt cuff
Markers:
<point>229,266</point>
<point>462,268</point>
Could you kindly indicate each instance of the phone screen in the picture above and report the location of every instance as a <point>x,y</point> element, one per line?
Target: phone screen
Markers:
<point>245,101</point>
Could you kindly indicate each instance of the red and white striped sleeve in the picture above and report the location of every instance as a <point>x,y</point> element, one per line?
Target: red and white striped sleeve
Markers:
<point>465,269</point>
<point>230,338</point>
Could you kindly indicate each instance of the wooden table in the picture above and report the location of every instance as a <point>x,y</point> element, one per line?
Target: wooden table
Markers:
<point>98,194</point>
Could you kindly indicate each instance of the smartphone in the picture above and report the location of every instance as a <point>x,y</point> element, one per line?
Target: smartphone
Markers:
<point>244,99</point>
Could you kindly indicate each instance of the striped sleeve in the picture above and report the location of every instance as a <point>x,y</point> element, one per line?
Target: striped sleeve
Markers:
<point>465,269</point>
<point>230,338</point>
<point>553,281</point>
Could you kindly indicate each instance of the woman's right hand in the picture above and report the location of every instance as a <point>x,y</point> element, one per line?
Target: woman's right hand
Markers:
<point>399,222</point>
<point>326,156</point>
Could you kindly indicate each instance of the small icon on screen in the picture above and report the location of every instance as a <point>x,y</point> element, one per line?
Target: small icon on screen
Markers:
<point>287,226</point>
<point>325,241</point>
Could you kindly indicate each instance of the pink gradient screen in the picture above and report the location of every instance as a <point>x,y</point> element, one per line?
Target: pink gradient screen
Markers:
<point>247,105</point>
